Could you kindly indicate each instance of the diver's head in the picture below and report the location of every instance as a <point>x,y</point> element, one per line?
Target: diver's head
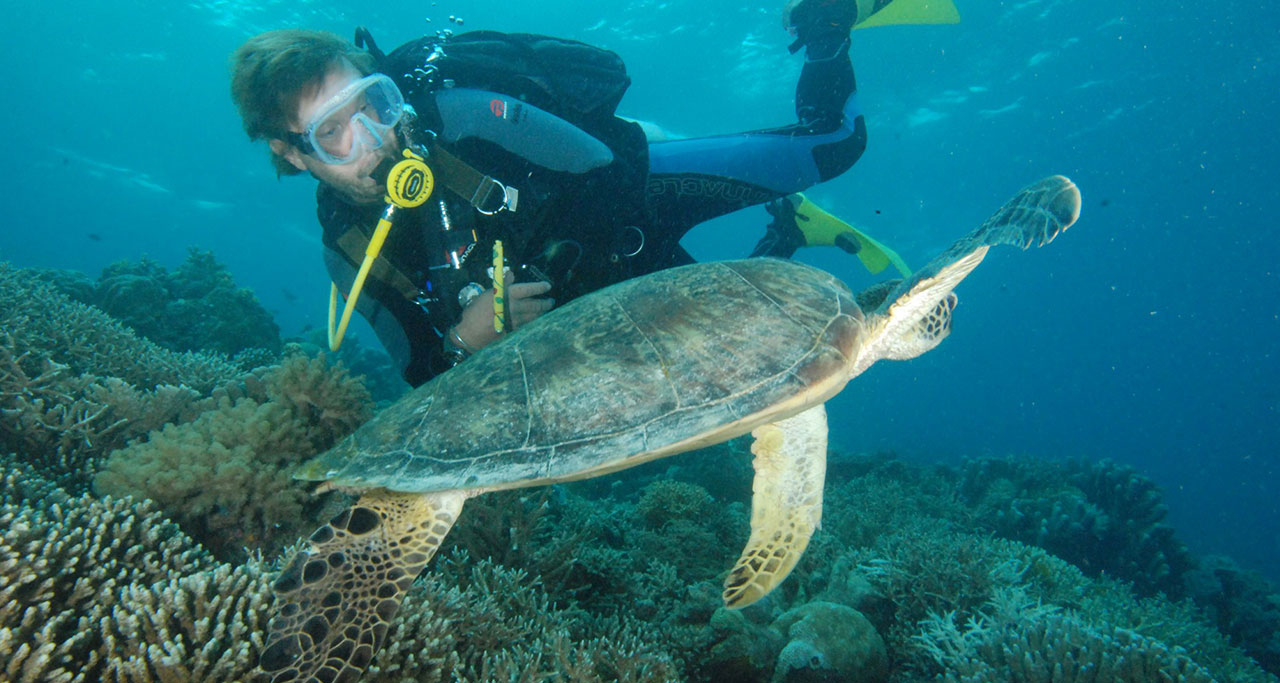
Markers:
<point>343,130</point>
<point>314,97</point>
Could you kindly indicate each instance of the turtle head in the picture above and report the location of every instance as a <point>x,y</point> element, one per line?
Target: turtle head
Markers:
<point>328,466</point>
<point>916,320</point>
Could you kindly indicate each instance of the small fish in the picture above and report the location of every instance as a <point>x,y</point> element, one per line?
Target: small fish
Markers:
<point>94,236</point>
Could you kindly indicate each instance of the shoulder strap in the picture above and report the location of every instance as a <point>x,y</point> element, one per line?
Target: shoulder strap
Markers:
<point>353,244</point>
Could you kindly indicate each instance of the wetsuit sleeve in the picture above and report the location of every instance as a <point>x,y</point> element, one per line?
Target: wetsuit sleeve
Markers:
<point>695,179</point>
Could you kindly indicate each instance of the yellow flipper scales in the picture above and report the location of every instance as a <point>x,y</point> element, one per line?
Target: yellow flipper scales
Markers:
<point>336,598</point>
<point>786,508</point>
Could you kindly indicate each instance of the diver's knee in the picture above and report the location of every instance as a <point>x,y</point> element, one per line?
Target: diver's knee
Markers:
<point>835,158</point>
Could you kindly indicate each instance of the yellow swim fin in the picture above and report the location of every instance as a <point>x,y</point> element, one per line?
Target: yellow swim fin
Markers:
<point>896,12</point>
<point>821,228</point>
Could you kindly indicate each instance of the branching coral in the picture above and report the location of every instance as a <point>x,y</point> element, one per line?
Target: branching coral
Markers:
<point>64,559</point>
<point>1020,640</point>
<point>938,581</point>
<point>44,324</point>
<point>75,384</point>
<point>108,590</point>
<point>67,423</point>
<point>505,627</point>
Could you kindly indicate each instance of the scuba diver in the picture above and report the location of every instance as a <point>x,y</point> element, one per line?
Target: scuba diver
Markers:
<point>470,182</point>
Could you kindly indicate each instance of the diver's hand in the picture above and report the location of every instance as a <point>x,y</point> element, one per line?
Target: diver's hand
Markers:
<point>524,303</point>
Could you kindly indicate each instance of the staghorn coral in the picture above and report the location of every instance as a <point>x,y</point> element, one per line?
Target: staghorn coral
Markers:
<point>64,558</point>
<point>226,475</point>
<point>502,626</point>
<point>108,590</point>
<point>479,621</point>
<point>510,528</point>
<point>74,384</point>
<point>1017,639</point>
<point>930,576</point>
<point>199,626</point>
<point>877,496</point>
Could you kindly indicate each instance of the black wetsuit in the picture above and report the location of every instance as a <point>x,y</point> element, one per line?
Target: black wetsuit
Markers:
<point>583,231</point>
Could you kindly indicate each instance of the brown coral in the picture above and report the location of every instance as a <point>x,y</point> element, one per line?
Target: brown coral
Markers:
<point>66,423</point>
<point>64,558</point>
<point>227,475</point>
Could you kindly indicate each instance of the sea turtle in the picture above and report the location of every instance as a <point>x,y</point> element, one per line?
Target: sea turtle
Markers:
<point>669,362</point>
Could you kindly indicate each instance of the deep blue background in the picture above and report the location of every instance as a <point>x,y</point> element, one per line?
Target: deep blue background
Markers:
<point>1147,334</point>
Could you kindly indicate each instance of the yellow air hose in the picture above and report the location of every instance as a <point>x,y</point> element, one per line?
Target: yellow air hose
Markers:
<point>408,185</point>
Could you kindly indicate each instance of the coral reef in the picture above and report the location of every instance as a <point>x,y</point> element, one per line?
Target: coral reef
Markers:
<point>1242,604</point>
<point>197,307</point>
<point>162,570</point>
<point>40,323</point>
<point>226,475</point>
<point>162,609</point>
<point>1101,516</point>
<point>948,604</point>
<point>65,559</point>
<point>1018,640</point>
<point>74,384</point>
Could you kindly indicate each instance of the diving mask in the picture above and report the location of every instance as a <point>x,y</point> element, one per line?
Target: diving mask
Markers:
<point>358,118</point>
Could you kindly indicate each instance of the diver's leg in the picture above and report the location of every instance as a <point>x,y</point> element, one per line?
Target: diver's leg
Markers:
<point>695,179</point>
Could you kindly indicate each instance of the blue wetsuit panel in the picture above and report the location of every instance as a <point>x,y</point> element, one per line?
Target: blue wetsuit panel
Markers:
<point>781,161</point>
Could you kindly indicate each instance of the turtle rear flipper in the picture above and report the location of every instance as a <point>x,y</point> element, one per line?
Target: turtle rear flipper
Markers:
<point>906,319</point>
<point>336,599</point>
<point>786,508</point>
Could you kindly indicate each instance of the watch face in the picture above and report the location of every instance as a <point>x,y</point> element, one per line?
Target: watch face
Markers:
<point>468,293</point>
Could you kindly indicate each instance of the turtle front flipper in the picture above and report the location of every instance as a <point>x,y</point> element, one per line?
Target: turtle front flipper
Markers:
<point>791,465</point>
<point>335,600</point>
<point>909,319</point>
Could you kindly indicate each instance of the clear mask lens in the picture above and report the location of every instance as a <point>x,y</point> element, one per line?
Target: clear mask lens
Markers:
<point>358,118</point>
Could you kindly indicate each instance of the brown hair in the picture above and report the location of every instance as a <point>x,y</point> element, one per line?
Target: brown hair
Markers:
<point>273,71</point>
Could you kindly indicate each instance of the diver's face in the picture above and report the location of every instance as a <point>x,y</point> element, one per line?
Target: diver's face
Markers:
<point>351,179</point>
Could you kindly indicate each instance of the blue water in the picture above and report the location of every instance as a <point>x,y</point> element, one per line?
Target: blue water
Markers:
<point>1146,334</point>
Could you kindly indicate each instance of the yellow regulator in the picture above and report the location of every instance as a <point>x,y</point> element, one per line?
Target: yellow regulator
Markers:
<point>410,182</point>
